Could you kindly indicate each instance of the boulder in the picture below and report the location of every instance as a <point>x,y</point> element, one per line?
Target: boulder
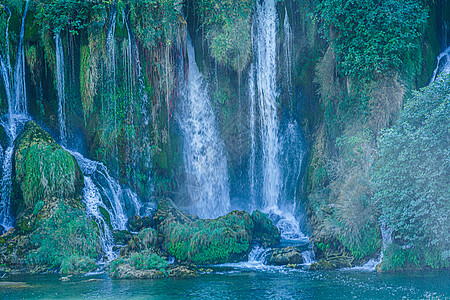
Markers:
<point>43,169</point>
<point>135,223</point>
<point>122,237</point>
<point>205,241</point>
<point>285,256</point>
<point>264,232</point>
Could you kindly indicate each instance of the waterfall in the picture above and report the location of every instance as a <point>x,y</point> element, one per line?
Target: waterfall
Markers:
<point>287,45</point>
<point>204,159</point>
<point>16,118</point>
<point>103,192</point>
<point>266,17</point>
<point>280,138</point>
<point>252,120</point>
<point>443,65</point>
<point>111,67</point>
<point>60,84</point>
<point>20,93</point>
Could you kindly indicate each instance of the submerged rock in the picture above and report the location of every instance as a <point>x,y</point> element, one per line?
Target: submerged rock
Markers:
<point>43,169</point>
<point>285,256</point>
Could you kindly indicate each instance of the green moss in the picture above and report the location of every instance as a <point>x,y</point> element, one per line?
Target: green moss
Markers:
<point>64,236</point>
<point>145,260</point>
<point>43,169</point>
<point>210,241</point>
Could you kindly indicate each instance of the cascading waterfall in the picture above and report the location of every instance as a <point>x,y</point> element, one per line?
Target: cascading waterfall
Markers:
<point>266,16</point>
<point>102,192</point>
<point>16,118</point>
<point>252,119</point>
<point>443,65</point>
<point>287,45</point>
<point>111,66</point>
<point>280,145</point>
<point>60,84</point>
<point>204,157</point>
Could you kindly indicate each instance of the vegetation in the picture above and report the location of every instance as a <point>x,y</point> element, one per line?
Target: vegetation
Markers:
<point>210,241</point>
<point>66,239</point>
<point>145,260</point>
<point>411,179</point>
<point>227,28</point>
<point>371,37</point>
<point>43,168</point>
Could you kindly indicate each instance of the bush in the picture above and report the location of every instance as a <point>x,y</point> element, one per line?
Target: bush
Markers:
<point>412,172</point>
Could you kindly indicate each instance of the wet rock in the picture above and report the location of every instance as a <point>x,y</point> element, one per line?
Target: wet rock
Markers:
<point>264,232</point>
<point>182,272</point>
<point>333,260</point>
<point>147,222</point>
<point>122,237</point>
<point>135,223</point>
<point>285,256</point>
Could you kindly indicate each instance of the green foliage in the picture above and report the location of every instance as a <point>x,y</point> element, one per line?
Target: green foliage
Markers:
<point>38,207</point>
<point>396,258</point>
<point>371,37</point>
<point>155,20</point>
<point>75,264</point>
<point>64,236</point>
<point>228,30</point>
<point>145,260</point>
<point>74,14</point>
<point>210,241</point>
<point>411,176</point>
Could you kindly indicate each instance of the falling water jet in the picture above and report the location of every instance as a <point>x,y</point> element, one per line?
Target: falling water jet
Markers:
<point>204,157</point>
<point>60,84</point>
<point>16,119</point>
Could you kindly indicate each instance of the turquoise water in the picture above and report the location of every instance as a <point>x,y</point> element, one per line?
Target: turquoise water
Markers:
<point>229,283</point>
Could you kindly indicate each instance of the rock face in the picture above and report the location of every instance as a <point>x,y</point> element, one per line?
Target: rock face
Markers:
<point>43,169</point>
<point>285,256</point>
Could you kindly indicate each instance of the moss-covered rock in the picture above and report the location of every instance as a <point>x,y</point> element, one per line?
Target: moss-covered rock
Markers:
<point>285,256</point>
<point>135,223</point>
<point>122,237</point>
<point>43,169</point>
<point>204,241</point>
<point>264,232</point>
